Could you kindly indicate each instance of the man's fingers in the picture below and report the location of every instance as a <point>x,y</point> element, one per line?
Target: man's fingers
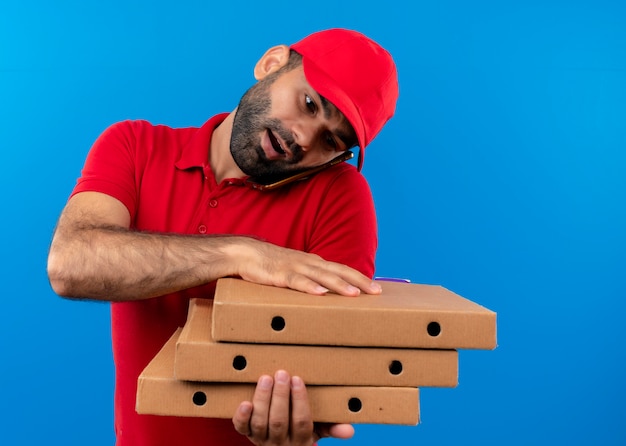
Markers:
<point>279,410</point>
<point>341,431</point>
<point>241,419</point>
<point>333,277</point>
<point>280,414</point>
<point>349,282</point>
<point>301,420</point>
<point>261,405</point>
<point>320,276</point>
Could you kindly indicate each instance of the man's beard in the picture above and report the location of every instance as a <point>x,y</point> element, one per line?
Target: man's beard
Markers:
<point>250,122</point>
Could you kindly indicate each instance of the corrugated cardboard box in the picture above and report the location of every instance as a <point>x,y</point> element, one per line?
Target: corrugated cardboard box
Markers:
<point>404,315</point>
<point>200,358</point>
<point>160,393</point>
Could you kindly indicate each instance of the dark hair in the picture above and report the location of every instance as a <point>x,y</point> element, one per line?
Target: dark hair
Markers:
<point>295,60</point>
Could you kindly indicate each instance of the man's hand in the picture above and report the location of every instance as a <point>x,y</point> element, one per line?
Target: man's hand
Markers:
<point>268,264</point>
<point>268,420</point>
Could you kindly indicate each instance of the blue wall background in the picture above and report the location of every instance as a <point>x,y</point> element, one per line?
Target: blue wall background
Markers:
<point>502,177</point>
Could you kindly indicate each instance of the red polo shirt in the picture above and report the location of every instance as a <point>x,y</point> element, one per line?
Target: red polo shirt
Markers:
<point>163,177</point>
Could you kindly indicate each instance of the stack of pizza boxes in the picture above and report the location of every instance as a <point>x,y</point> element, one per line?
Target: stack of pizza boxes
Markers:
<point>363,359</point>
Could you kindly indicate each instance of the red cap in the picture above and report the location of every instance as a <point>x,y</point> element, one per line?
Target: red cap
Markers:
<point>356,75</point>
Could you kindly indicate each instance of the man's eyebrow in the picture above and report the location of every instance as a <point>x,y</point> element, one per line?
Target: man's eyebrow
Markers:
<point>346,133</point>
<point>328,107</point>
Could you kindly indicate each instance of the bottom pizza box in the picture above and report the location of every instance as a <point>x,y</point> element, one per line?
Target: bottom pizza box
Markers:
<point>160,393</point>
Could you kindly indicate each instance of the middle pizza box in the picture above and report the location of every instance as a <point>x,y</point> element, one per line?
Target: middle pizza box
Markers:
<point>199,357</point>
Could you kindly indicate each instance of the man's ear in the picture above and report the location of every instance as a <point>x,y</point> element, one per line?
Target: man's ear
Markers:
<point>273,59</point>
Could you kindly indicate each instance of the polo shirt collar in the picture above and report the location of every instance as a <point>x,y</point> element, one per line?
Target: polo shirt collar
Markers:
<point>196,152</point>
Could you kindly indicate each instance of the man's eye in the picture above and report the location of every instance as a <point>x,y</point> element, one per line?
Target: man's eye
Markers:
<point>331,141</point>
<point>310,104</point>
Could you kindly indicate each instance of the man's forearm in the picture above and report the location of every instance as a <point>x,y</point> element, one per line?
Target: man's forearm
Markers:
<point>111,263</point>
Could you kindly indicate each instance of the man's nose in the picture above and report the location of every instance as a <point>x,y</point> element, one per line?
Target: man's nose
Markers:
<point>306,134</point>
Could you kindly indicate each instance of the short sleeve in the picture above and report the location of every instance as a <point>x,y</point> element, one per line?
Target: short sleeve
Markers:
<point>110,167</point>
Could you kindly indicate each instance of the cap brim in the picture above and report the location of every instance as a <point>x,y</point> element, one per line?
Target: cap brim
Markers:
<point>326,87</point>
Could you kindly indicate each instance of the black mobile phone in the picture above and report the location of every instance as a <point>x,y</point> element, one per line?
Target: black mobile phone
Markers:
<point>301,175</point>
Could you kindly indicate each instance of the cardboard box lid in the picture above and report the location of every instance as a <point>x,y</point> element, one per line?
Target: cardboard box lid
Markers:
<point>200,358</point>
<point>404,315</point>
<point>160,393</point>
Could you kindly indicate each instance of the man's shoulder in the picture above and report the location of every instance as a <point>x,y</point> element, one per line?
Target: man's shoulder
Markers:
<point>141,134</point>
<point>139,126</point>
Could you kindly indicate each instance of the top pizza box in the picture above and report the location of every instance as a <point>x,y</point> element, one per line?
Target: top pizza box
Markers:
<point>404,315</point>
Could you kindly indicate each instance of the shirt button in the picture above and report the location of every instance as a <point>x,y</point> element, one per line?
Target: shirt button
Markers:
<point>202,229</point>
<point>213,203</point>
